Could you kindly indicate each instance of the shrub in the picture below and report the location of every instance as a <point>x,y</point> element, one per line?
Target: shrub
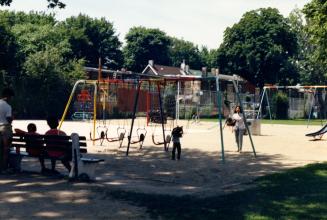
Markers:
<point>280,105</point>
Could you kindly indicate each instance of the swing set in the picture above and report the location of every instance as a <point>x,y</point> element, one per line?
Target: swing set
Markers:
<point>141,88</point>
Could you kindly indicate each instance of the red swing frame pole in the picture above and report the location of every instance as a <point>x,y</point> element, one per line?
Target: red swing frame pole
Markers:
<point>148,105</point>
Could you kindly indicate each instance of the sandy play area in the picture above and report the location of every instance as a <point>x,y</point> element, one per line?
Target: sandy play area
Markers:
<point>200,172</point>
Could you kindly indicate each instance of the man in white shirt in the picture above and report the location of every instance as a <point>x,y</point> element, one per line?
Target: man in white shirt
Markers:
<point>5,126</point>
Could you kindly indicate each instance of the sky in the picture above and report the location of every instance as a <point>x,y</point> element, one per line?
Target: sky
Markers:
<point>202,22</point>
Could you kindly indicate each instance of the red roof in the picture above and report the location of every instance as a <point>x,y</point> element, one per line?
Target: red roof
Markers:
<point>167,70</point>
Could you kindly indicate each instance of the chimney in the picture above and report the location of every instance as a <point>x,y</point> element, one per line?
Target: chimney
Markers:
<point>217,72</point>
<point>183,65</point>
<point>187,68</point>
<point>204,72</point>
<point>151,63</point>
<point>213,71</point>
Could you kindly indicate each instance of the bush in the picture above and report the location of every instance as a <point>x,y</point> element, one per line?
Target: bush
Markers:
<point>280,105</point>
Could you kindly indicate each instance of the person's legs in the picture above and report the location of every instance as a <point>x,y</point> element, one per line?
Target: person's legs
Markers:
<point>6,134</point>
<point>179,150</point>
<point>53,164</point>
<point>5,152</point>
<point>237,138</point>
<point>240,138</point>
<point>41,159</point>
<point>66,164</point>
<point>173,152</point>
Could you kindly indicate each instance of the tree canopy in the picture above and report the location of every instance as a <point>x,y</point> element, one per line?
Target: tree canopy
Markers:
<point>185,50</point>
<point>144,44</point>
<point>259,48</point>
<point>51,3</point>
<point>91,39</point>
<point>44,71</point>
<point>316,18</point>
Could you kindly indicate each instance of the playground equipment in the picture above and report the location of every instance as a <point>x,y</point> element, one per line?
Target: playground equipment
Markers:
<point>131,96</point>
<point>303,100</point>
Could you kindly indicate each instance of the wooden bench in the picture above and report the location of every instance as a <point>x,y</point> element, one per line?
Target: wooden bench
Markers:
<point>31,145</point>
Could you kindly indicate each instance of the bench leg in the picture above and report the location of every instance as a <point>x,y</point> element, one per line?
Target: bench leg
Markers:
<point>88,169</point>
<point>15,161</point>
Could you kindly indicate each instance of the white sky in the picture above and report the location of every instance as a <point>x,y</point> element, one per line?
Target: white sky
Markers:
<point>201,22</point>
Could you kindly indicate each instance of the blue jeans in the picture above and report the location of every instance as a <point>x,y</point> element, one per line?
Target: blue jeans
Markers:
<point>239,138</point>
<point>177,146</point>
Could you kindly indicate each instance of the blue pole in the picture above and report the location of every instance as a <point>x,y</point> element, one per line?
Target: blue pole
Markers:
<point>220,119</point>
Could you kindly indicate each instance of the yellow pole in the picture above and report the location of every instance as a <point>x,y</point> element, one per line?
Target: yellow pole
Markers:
<point>94,110</point>
<point>69,101</point>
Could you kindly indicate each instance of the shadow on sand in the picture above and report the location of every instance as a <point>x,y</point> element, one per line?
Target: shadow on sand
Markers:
<point>147,184</point>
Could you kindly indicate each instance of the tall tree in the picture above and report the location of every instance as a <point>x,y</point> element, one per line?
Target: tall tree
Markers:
<point>51,3</point>
<point>45,70</point>
<point>185,50</point>
<point>316,27</point>
<point>8,49</point>
<point>316,15</point>
<point>259,48</point>
<point>309,70</point>
<point>93,38</point>
<point>209,57</point>
<point>142,45</point>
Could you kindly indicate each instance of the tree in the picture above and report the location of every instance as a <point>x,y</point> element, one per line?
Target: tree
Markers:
<point>8,48</point>
<point>91,39</point>
<point>47,82</point>
<point>309,70</point>
<point>185,50</point>
<point>142,45</point>
<point>45,71</point>
<point>316,15</point>
<point>51,3</point>
<point>316,63</point>
<point>259,48</point>
<point>209,57</point>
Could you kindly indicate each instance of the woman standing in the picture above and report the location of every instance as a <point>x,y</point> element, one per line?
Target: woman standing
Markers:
<point>239,127</point>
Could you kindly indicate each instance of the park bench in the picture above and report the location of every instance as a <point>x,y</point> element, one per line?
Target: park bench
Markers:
<point>74,146</point>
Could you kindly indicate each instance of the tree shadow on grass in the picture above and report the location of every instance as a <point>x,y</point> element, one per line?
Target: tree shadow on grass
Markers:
<point>297,194</point>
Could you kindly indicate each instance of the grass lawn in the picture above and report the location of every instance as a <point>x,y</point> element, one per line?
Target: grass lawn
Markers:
<point>283,122</point>
<point>299,193</point>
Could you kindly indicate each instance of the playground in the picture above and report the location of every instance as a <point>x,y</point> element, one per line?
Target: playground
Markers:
<point>200,172</point>
<point>149,171</point>
<point>128,124</point>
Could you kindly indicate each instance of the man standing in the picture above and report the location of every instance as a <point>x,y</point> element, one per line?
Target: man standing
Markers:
<point>5,126</point>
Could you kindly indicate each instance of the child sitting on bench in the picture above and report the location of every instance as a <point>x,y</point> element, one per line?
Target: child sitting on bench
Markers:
<point>36,152</point>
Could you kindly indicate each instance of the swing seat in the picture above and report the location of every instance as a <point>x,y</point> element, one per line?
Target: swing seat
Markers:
<point>142,137</point>
<point>121,136</point>
<point>168,138</point>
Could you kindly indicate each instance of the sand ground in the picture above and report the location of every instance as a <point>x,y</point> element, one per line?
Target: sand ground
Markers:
<point>199,173</point>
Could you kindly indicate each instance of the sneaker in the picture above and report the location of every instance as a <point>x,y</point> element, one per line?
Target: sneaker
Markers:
<point>56,172</point>
<point>8,171</point>
<point>45,171</point>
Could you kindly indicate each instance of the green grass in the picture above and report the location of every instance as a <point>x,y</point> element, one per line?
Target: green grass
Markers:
<point>299,193</point>
<point>293,122</point>
<point>282,122</point>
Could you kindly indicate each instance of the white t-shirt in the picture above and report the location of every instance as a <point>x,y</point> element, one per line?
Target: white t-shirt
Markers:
<point>239,121</point>
<point>5,112</point>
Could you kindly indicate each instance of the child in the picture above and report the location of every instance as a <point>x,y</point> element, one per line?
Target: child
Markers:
<point>37,152</point>
<point>177,133</point>
<point>64,157</point>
